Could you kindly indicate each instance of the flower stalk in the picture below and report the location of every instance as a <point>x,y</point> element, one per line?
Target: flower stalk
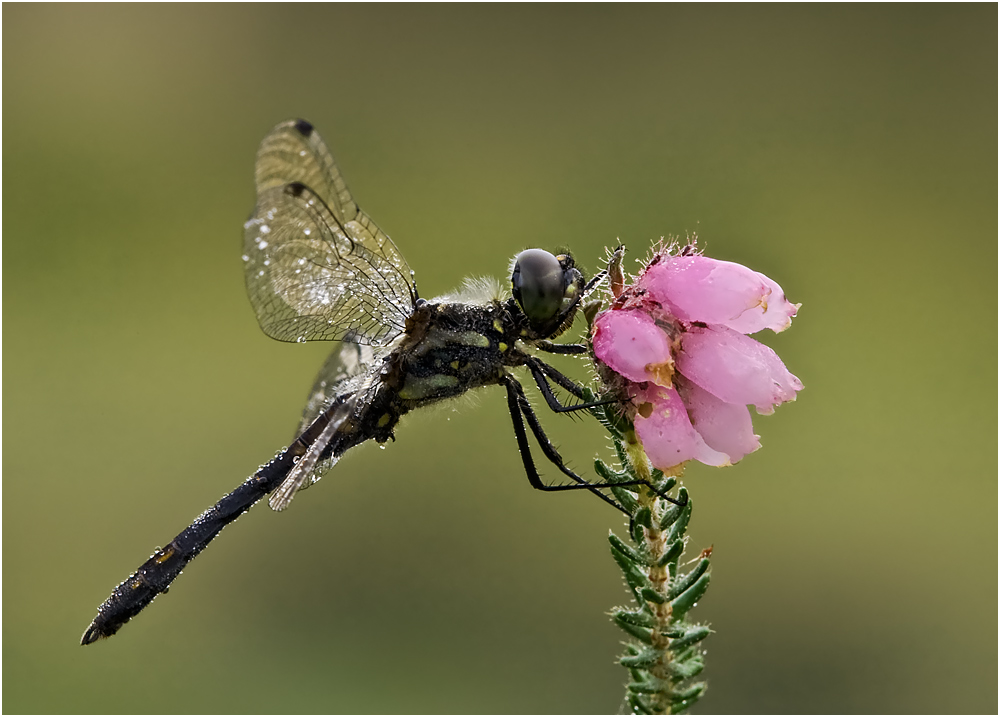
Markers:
<point>663,654</point>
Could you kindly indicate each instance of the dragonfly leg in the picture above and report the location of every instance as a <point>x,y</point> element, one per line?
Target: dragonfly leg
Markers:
<point>592,284</point>
<point>542,372</point>
<point>554,348</point>
<point>518,405</point>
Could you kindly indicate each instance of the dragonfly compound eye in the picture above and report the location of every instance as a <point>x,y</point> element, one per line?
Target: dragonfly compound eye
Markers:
<point>539,285</point>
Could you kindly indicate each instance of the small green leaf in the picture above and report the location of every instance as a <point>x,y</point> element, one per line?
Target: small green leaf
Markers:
<point>680,707</point>
<point>634,575</point>
<point>680,525</point>
<point>639,617</point>
<point>684,655</point>
<point>643,658</point>
<point>691,637</point>
<point>620,451</point>
<point>663,485</point>
<point>687,698</point>
<point>638,705</point>
<point>673,553</point>
<point>683,583</point>
<point>626,497</point>
<point>690,597</point>
<point>682,670</point>
<point>636,531</point>
<point>691,693</point>
<point>669,516</point>
<point>608,474</point>
<point>643,634</point>
<point>627,552</point>
<point>644,517</point>
<point>651,595</point>
<point>650,685</point>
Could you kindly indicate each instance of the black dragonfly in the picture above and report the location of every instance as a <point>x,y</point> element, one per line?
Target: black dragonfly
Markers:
<point>318,268</point>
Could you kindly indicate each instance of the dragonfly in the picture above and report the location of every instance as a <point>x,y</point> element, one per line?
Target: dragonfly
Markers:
<point>317,268</point>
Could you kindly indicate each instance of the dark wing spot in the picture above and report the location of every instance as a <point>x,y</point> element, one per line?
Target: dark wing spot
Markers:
<point>295,188</point>
<point>304,128</point>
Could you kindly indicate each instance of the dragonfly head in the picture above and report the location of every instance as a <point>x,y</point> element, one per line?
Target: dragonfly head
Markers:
<point>547,289</point>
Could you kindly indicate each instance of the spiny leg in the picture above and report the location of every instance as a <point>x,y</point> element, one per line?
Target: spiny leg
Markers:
<point>559,377</point>
<point>592,284</point>
<point>515,396</point>
<point>518,404</point>
<point>554,348</point>
<point>542,372</point>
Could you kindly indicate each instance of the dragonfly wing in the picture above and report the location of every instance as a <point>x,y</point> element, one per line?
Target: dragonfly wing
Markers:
<point>316,266</point>
<point>349,360</point>
<point>302,473</point>
<point>294,152</point>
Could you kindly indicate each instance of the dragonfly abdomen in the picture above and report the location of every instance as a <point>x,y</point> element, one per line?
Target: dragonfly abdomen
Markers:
<point>156,574</point>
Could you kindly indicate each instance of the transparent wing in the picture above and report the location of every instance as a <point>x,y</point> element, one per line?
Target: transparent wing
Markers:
<point>316,266</point>
<point>294,152</point>
<point>349,360</point>
<point>348,370</point>
<point>302,474</point>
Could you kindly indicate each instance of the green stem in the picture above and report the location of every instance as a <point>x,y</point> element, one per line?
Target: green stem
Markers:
<point>663,654</point>
<point>659,574</point>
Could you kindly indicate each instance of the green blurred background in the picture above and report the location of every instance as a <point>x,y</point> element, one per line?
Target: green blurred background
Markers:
<point>847,152</point>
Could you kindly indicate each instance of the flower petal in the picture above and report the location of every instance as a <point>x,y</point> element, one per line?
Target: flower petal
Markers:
<point>735,368</point>
<point>726,427</point>
<point>697,288</point>
<point>667,436</point>
<point>631,344</point>
<point>775,314</point>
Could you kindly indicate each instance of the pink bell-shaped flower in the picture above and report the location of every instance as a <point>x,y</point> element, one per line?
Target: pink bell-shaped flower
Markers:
<point>678,338</point>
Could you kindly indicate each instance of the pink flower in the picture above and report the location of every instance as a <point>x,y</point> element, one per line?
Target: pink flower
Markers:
<point>678,338</point>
